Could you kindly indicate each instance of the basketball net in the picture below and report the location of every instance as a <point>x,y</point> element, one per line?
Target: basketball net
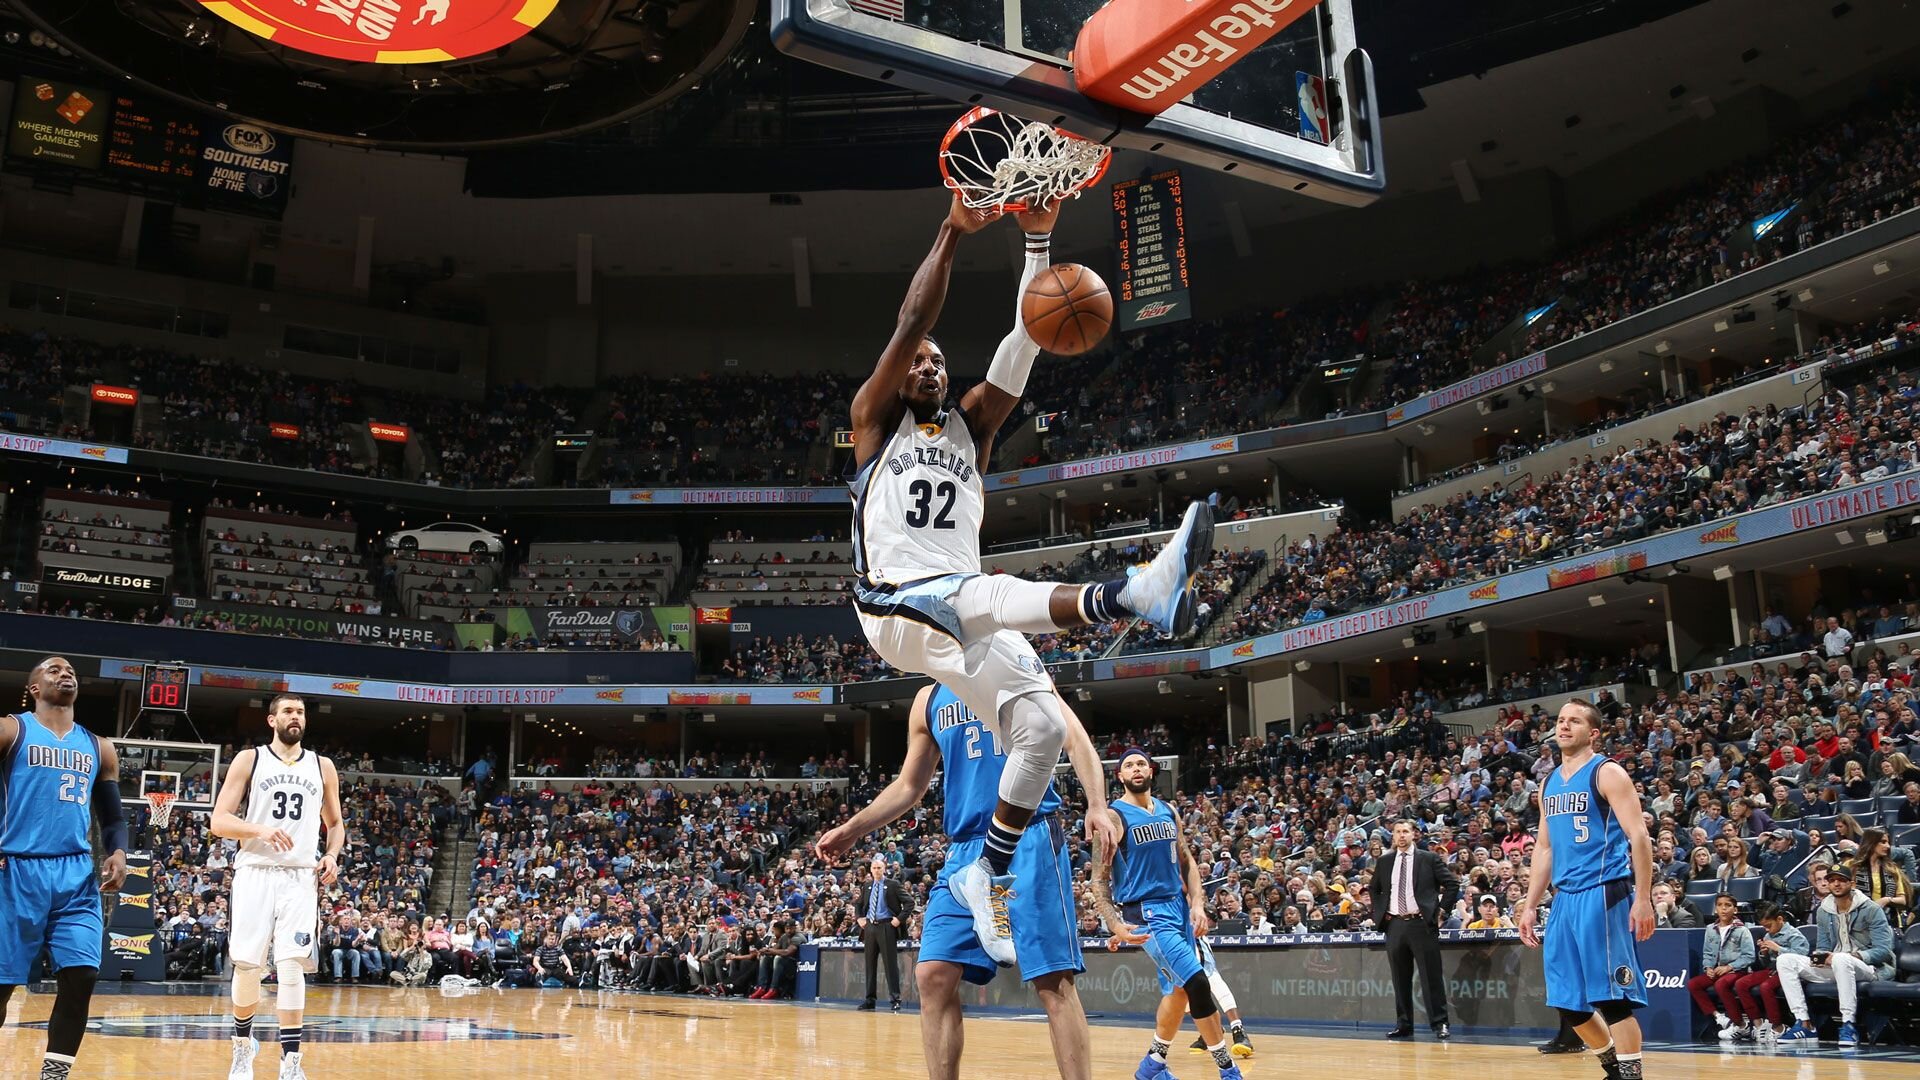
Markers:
<point>1000,162</point>
<point>159,808</point>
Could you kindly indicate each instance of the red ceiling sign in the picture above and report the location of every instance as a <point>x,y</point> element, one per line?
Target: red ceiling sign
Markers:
<point>388,432</point>
<point>387,31</point>
<point>115,395</point>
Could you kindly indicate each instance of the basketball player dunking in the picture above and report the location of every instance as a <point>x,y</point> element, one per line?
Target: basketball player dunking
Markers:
<point>1593,845</point>
<point>1148,892</point>
<point>52,771</point>
<point>924,605</point>
<point>289,792</point>
<point>942,729</point>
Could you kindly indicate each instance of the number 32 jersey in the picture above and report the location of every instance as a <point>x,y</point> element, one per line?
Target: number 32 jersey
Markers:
<point>918,504</point>
<point>283,795</point>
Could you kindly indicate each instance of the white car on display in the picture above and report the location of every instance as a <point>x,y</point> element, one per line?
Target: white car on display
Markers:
<point>453,536</point>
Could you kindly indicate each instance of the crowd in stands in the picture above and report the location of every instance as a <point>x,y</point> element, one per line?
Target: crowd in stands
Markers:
<point>1862,433</point>
<point>725,428</point>
<point>34,372</point>
<point>630,882</point>
<point>1192,381</point>
<point>107,537</point>
<point>823,659</point>
<point>1870,338</point>
<point>1830,629</point>
<point>1637,667</point>
<point>393,832</point>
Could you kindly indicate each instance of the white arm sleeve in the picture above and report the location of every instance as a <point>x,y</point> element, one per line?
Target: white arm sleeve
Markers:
<point>1013,360</point>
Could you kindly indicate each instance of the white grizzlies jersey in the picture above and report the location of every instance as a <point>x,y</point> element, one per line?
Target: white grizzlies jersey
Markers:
<point>918,504</point>
<point>283,796</point>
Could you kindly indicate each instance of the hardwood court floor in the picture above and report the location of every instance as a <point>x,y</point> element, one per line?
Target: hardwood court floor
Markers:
<point>567,1035</point>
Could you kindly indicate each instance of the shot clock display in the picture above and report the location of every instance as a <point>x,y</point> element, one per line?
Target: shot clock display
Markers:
<point>163,687</point>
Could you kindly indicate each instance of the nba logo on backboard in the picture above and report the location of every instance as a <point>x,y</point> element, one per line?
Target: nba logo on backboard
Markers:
<point>1312,90</point>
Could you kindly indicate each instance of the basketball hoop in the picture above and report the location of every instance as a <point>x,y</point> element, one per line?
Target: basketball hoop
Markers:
<point>159,808</point>
<point>1000,162</point>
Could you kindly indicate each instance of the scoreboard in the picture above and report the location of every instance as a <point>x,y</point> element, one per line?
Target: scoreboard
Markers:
<point>153,138</point>
<point>163,687</point>
<point>147,145</point>
<point>1150,223</point>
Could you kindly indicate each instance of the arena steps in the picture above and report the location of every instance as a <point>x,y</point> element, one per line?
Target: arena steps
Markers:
<point>452,877</point>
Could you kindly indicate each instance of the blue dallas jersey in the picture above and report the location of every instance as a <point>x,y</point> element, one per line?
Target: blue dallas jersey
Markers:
<point>1147,866</point>
<point>1589,846</point>
<point>46,791</point>
<point>971,760</point>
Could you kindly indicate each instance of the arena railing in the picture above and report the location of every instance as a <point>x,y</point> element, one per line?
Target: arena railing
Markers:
<point>520,785</point>
<point>1862,649</point>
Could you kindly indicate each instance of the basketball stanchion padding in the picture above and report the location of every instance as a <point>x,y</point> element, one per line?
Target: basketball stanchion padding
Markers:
<point>1144,56</point>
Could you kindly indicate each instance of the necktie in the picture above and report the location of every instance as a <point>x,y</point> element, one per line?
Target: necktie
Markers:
<point>1403,883</point>
<point>875,913</point>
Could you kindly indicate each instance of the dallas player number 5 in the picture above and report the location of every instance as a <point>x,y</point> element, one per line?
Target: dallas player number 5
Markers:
<point>924,493</point>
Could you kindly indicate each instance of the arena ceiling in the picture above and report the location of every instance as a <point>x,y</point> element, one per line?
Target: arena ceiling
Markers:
<point>698,166</point>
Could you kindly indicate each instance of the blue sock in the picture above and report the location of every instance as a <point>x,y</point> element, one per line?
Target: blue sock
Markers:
<point>1001,840</point>
<point>1101,603</point>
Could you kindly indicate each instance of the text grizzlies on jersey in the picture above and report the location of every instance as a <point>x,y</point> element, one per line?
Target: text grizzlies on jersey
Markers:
<point>59,757</point>
<point>1567,802</point>
<point>281,779</point>
<point>937,457</point>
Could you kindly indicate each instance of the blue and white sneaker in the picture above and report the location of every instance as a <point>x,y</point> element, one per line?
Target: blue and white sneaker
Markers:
<point>1848,1036</point>
<point>1801,1032</point>
<point>986,896</point>
<point>1150,1069</point>
<point>244,1051</point>
<point>1162,594</point>
<point>1232,1073</point>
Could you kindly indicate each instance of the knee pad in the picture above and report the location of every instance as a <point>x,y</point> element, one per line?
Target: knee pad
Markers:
<point>1036,729</point>
<point>1574,1017</point>
<point>1614,1011</point>
<point>1037,724</point>
<point>1222,996</point>
<point>246,985</point>
<point>1200,997</point>
<point>293,985</point>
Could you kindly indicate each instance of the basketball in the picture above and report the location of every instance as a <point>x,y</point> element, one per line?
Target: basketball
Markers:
<point>1067,309</point>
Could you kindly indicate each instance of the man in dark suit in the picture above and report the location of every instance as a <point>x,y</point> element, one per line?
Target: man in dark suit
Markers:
<point>1413,890</point>
<point>883,913</point>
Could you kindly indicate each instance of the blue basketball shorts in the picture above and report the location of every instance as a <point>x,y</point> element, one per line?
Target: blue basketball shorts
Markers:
<point>1171,941</point>
<point>48,904</point>
<point>1589,951</point>
<point>1046,928</point>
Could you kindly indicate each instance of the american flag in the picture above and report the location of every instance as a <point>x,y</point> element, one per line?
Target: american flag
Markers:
<point>886,9</point>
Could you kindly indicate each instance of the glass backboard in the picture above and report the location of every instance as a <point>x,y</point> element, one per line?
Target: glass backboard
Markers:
<point>1012,55</point>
